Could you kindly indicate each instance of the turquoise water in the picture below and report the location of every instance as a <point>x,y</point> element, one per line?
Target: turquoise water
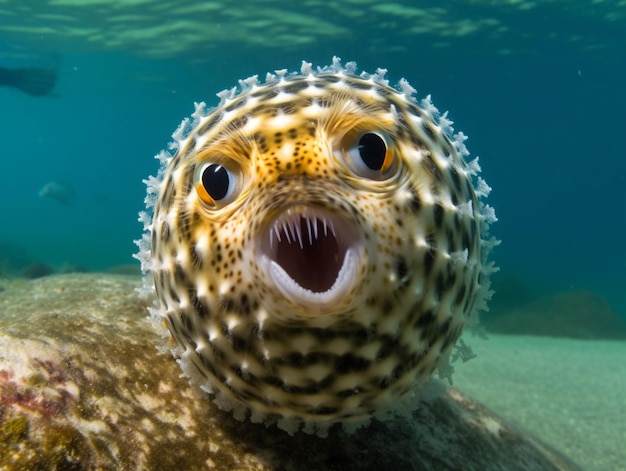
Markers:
<point>537,87</point>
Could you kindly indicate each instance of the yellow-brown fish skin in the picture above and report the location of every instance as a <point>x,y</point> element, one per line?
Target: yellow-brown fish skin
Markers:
<point>317,245</point>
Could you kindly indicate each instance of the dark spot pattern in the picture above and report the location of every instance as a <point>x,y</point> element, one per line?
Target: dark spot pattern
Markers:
<point>413,298</point>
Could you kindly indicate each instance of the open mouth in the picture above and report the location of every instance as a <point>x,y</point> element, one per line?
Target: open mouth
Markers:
<point>310,254</point>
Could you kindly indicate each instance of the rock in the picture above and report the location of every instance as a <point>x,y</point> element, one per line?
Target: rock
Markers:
<point>573,314</point>
<point>511,291</point>
<point>13,258</point>
<point>131,269</point>
<point>83,385</point>
<point>36,270</point>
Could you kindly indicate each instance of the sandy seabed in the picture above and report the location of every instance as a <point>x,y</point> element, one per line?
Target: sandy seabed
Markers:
<point>569,393</point>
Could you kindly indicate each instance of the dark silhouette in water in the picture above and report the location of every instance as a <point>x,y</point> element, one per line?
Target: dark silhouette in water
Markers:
<point>32,80</point>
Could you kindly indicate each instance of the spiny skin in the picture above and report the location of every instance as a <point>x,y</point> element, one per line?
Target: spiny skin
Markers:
<point>417,230</point>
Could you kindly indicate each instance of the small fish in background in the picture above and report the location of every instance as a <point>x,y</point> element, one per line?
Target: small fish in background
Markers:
<point>36,81</point>
<point>62,192</point>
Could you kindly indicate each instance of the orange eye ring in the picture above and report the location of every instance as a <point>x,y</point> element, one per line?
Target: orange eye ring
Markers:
<point>369,155</point>
<point>217,184</point>
<point>204,195</point>
<point>387,162</point>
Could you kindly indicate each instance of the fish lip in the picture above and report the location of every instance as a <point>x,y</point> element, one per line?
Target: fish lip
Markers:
<point>311,254</point>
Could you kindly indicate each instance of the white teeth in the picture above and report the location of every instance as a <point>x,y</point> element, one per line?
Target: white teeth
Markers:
<point>308,226</point>
<point>299,232</point>
<point>284,229</point>
<point>291,228</point>
<point>296,232</point>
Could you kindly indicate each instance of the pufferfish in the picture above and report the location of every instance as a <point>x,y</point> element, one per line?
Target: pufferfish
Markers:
<point>317,243</point>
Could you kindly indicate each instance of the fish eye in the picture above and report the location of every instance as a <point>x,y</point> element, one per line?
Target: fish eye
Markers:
<point>369,156</point>
<point>217,184</point>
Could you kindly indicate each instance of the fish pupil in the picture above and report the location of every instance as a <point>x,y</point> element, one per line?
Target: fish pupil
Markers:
<point>373,150</point>
<point>216,181</point>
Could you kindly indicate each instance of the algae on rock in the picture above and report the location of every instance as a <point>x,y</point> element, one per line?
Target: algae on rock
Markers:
<point>84,385</point>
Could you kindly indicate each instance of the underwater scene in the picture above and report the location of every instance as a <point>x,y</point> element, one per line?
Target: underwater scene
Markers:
<point>311,245</point>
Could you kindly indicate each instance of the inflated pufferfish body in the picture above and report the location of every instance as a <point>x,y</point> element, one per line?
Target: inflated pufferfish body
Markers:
<point>317,244</point>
